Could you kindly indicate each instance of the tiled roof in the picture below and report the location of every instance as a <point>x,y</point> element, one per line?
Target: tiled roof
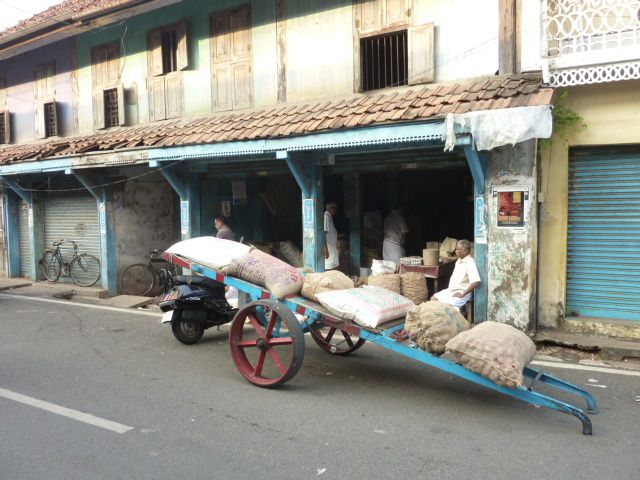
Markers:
<point>68,7</point>
<point>399,105</point>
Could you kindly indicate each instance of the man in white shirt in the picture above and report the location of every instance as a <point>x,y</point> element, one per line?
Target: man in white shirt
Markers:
<point>395,231</point>
<point>464,279</point>
<point>331,258</point>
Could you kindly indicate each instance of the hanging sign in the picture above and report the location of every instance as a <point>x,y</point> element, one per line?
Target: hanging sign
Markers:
<point>480,234</point>
<point>308,226</point>
<point>184,217</point>
<point>102,213</point>
<point>239,191</point>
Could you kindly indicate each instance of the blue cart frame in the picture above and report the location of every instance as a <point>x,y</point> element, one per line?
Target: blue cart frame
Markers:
<point>316,317</point>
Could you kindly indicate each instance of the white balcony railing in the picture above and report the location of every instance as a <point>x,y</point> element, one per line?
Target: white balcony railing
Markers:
<point>592,41</point>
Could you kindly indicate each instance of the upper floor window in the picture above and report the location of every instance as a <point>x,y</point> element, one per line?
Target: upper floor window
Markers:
<point>167,56</point>
<point>231,59</point>
<point>46,108</point>
<point>392,52</point>
<point>108,93</point>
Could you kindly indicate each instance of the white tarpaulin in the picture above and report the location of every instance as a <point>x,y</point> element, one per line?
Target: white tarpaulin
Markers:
<point>505,126</point>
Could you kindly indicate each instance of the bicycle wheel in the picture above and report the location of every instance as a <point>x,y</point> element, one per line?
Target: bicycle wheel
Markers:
<point>84,270</point>
<point>137,279</point>
<point>51,266</point>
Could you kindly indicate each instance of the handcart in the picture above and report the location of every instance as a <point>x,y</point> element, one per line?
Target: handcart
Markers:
<point>267,345</point>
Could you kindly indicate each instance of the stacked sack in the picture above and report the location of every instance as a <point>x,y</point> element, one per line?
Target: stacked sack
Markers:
<point>315,283</point>
<point>411,285</point>
<point>432,324</point>
<point>494,350</point>
<point>271,272</point>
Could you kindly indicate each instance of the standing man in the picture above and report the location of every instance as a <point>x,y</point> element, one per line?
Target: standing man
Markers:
<point>395,233</point>
<point>464,279</point>
<point>224,231</point>
<point>331,258</point>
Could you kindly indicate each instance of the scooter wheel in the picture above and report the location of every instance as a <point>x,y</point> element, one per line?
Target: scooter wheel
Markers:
<point>186,331</point>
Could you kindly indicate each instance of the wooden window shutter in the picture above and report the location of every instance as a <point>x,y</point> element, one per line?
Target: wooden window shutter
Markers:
<point>3,93</point>
<point>421,54</point>
<point>182,50</point>
<point>174,95</point>
<point>370,15</point>
<point>222,79</point>
<point>242,85</point>
<point>6,120</point>
<point>156,99</point>
<point>122,118</point>
<point>220,41</point>
<point>240,25</point>
<point>98,109</point>
<point>154,52</point>
<point>395,13</point>
<point>41,130</point>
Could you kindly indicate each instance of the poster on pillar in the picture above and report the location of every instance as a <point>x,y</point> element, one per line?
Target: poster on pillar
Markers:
<point>184,217</point>
<point>511,205</point>
<point>308,226</point>
<point>102,218</point>
<point>480,233</point>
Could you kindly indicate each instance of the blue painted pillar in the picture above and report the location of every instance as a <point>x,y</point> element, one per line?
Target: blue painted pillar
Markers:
<point>478,163</point>
<point>36,235</point>
<point>311,183</point>
<point>12,229</point>
<point>108,250</point>
<point>106,221</point>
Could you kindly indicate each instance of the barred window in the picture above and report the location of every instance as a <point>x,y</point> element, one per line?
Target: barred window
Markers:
<point>50,120</point>
<point>384,60</point>
<point>111,114</point>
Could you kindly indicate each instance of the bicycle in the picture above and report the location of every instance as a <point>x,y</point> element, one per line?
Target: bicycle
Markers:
<point>141,278</point>
<point>83,268</point>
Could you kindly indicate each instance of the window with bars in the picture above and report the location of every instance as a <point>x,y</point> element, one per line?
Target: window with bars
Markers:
<point>111,112</point>
<point>384,60</point>
<point>50,120</point>
<point>169,51</point>
<point>5,130</point>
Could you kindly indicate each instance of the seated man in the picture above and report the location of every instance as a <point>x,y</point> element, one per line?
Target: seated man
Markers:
<point>464,279</point>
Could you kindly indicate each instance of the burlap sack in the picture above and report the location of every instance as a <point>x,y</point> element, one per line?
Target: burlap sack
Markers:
<point>448,247</point>
<point>413,285</point>
<point>495,350</point>
<point>315,283</point>
<point>432,324</point>
<point>290,253</point>
<point>262,269</point>
<point>389,281</point>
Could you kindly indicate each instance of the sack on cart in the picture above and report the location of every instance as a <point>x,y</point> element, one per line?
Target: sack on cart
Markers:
<point>211,252</point>
<point>495,350</point>
<point>315,283</point>
<point>368,306</point>
<point>432,324</point>
<point>262,269</point>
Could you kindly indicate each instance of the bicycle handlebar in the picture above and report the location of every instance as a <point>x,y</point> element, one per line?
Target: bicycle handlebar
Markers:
<point>62,240</point>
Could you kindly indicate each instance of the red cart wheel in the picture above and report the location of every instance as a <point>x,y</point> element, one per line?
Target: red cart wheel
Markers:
<point>267,343</point>
<point>336,341</point>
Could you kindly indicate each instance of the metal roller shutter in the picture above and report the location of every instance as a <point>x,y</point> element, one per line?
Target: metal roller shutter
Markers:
<point>603,246</point>
<point>72,217</point>
<point>25,246</point>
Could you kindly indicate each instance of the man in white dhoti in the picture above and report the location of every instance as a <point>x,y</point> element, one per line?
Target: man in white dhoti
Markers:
<point>331,256</point>
<point>464,279</point>
<point>395,231</point>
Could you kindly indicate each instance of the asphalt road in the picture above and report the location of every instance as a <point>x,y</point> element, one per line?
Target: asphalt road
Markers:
<point>192,416</point>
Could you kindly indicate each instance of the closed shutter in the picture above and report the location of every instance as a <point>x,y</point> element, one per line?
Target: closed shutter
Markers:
<point>73,217</point>
<point>603,248</point>
<point>25,246</point>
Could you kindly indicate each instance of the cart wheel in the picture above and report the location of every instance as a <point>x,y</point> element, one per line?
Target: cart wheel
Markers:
<point>335,341</point>
<point>269,355</point>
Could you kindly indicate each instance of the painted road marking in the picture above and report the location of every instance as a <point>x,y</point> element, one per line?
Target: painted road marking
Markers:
<point>588,368</point>
<point>86,305</point>
<point>66,412</point>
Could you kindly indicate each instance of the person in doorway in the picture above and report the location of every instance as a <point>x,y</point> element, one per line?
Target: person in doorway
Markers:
<point>223,230</point>
<point>395,233</point>
<point>331,257</point>
<point>464,279</point>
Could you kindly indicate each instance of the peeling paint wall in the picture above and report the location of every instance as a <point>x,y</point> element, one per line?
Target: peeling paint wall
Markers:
<point>146,216</point>
<point>511,256</point>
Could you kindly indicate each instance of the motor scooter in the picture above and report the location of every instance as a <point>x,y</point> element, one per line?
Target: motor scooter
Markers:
<point>192,304</point>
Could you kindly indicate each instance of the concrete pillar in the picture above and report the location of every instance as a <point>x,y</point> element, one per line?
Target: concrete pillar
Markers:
<point>12,229</point>
<point>108,250</point>
<point>36,235</point>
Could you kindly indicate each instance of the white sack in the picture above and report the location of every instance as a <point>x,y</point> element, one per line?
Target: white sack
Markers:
<point>383,266</point>
<point>209,251</point>
<point>368,306</point>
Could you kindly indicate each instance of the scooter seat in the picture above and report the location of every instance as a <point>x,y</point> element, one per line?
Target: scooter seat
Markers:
<point>197,281</point>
